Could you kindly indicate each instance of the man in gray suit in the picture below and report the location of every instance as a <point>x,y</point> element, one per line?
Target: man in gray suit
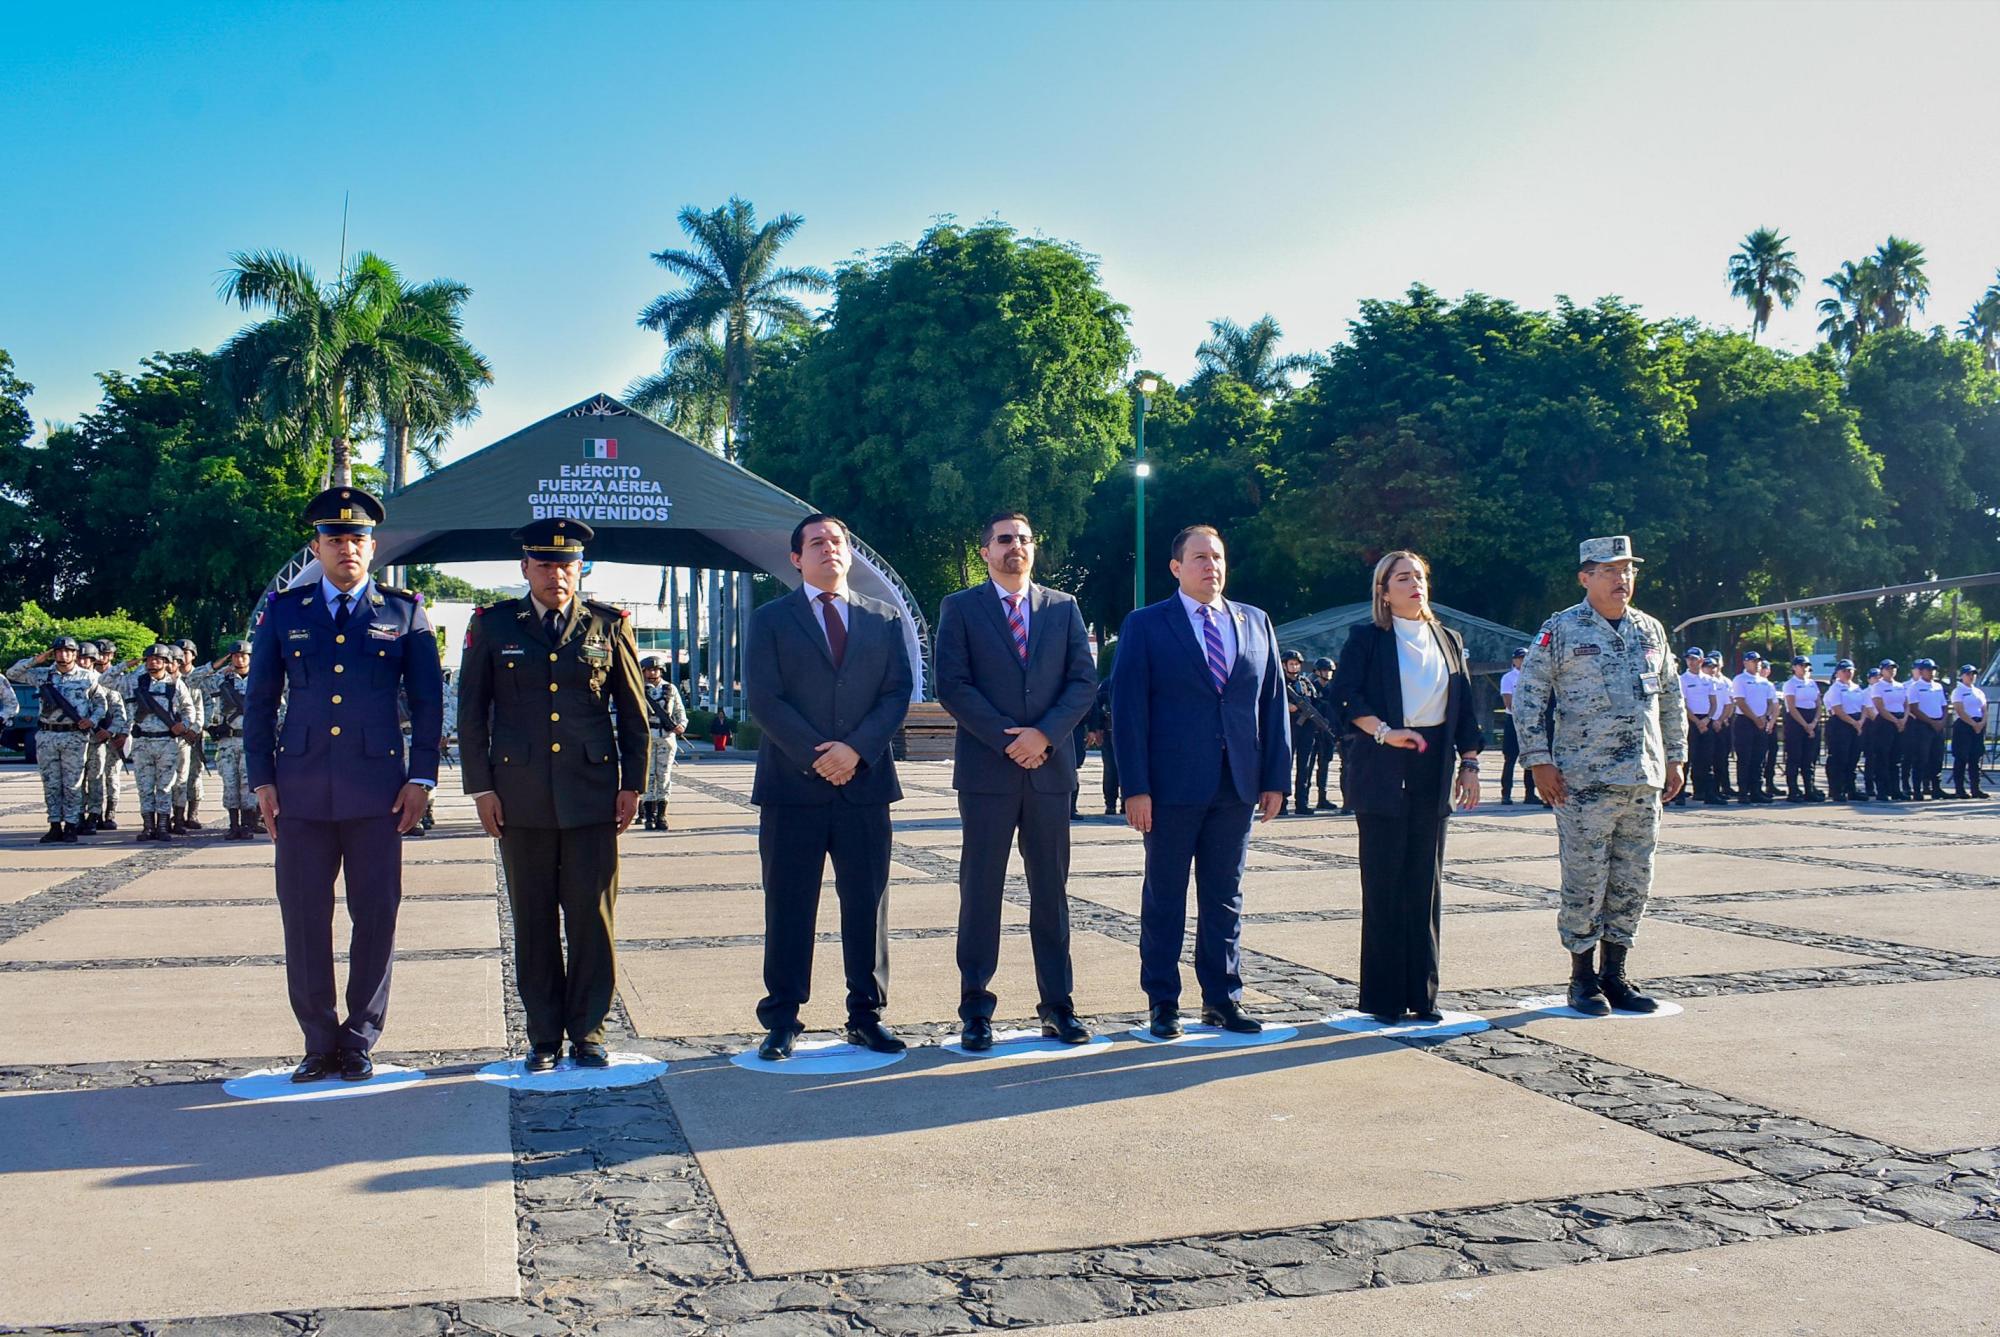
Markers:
<point>828,680</point>
<point>1014,669</point>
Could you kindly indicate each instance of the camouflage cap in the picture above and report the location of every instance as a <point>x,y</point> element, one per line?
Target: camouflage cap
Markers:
<point>1616,548</point>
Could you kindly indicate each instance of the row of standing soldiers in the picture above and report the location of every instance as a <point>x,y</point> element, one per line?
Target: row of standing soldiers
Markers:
<point>95,714</point>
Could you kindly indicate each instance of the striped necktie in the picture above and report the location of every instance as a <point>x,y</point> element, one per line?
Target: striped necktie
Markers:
<point>1014,625</point>
<point>1218,661</point>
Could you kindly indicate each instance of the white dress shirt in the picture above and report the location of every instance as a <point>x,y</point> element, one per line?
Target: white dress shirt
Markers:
<point>1695,689</point>
<point>1891,698</point>
<point>1224,622</point>
<point>1971,698</point>
<point>1927,698</point>
<point>824,610</point>
<point>1425,672</point>
<point>1509,681</point>
<point>1803,693</point>
<point>1754,693</point>
<point>1005,594</point>
<point>355,597</point>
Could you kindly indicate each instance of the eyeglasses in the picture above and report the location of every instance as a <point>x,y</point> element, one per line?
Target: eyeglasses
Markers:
<point>1025,540</point>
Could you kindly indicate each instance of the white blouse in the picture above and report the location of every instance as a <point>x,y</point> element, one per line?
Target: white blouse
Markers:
<point>1426,675</point>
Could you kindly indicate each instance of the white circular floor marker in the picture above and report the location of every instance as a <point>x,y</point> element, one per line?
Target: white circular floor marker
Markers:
<point>1022,1044</point>
<point>1214,1037</point>
<point>818,1058</point>
<point>1557,1005</point>
<point>274,1086</point>
<point>1453,1023</point>
<point>625,1070</point>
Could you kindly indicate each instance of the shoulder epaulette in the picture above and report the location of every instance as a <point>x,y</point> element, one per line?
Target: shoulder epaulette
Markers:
<point>606,610</point>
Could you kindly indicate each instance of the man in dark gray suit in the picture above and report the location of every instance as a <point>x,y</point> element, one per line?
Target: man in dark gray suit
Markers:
<point>828,680</point>
<point>1014,669</point>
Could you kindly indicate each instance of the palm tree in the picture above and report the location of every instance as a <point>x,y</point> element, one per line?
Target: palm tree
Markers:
<point>1854,310</point>
<point>1251,356</point>
<point>318,364</point>
<point>422,397</point>
<point>1763,272</point>
<point>734,285</point>
<point>690,391</point>
<point>1982,325</point>
<point>1903,285</point>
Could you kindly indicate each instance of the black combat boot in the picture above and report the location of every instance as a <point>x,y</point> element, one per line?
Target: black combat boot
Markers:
<point>88,826</point>
<point>1618,990</point>
<point>193,808</point>
<point>1584,994</point>
<point>53,836</point>
<point>177,824</point>
<point>69,833</point>
<point>235,831</point>
<point>169,825</point>
<point>107,822</point>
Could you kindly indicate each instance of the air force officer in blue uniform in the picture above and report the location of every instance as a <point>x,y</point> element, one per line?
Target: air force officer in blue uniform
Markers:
<point>335,787</point>
<point>1203,747</point>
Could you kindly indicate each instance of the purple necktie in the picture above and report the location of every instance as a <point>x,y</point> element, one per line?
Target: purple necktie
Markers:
<point>836,630</point>
<point>1014,625</point>
<point>1218,662</point>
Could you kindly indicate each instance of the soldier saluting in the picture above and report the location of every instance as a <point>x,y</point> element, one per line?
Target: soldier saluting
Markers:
<point>72,708</point>
<point>555,782</point>
<point>228,696</point>
<point>332,783</point>
<point>1616,749</point>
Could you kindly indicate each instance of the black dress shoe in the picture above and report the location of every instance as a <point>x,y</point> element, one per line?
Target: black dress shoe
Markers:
<point>1065,1027</point>
<point>977,1035</point>
<point>874,1035</point>
<point>355,1065</point>
<point>589,1054</point>
<point>314,1068</point>
<point>1387,1018</point>
<point>777,1045</point>
<point>1166,1023</point>
<point>1229,1017</point>
<point>1430,1018</point>
<point>542,1059</point>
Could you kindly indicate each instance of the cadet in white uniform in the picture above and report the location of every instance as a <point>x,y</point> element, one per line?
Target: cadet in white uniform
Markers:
<point>1846,704</point>
<point>1510,737</point>
<point>1752,696</point>
<point>1802,718</point>
<point>1888,777</point>
<point>1698,695</point>
<point>1968,733</point>
<point>1930,712</point>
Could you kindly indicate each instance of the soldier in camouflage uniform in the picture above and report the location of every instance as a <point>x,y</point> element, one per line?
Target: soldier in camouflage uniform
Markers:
<point>103,779</point>
<point>1616,747</point>
<point>227,684</point>
<point>161,711</point>
<point>71,709</point>
<point>666,721</point>
<point>191,784</point>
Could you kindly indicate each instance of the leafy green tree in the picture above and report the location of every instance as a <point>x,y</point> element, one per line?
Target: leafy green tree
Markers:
<point>1854,311</point>
<point>1982,326</point>
<point>333,356</point>
<point>972,372</point>
<point>1764,273</point>
<point>432,384</point>
<point>690,391</point>
<point>1250,355</point>
<point>435,584</point>
<point>123,509</point>
<point>1903,286</point>
<point>736,294</point>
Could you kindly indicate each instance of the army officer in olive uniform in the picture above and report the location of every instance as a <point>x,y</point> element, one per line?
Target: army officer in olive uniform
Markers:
<point>555,781</point>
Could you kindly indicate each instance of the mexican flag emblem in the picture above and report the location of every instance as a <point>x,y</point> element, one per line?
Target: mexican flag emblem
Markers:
<point>600,448</point>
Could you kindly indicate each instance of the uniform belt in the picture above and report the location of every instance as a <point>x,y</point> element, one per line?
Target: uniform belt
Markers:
<point>227,732</point>
<point>52,726</point>
<point>141,733</point>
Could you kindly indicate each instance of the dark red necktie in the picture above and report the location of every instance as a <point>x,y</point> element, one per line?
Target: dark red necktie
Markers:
<point>836,630</point>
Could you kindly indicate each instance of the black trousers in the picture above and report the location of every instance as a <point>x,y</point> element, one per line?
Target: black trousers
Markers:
<point>795,841</point>
<point>1968,749</point>
<point>309,856</point>
<point>1843,751</point>
<point>1718,760</point>
<point>1304,741</point>
<point>562,883</point>
<point>1699,742</point>
<point>1402,879</point>
<point>991,825</point>
<point>1510,757</point>
<point>1750,741</point>
<point>1879,747</point>
<point>1913,748</point>
<point>1801,751</point>
<point>1323,747</point>
<point>1110,755</point>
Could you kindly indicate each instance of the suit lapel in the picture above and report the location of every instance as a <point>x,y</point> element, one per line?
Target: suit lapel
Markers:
<point>1038,607</point>
<point>1183,631</point>
<point>315,606</point>
<point>1243,666</point>
<point>808,616</point>
<point>526,623</point>
<point>995,615</point>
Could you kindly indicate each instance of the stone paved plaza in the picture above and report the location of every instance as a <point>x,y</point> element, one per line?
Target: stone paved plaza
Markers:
<point>1812,1145</point>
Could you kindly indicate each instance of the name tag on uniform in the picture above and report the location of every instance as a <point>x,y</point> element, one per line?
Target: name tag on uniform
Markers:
<point>299,634</point>
<point>513,650</point>
<point>596,652</point>
<point>1650,683</point>
<point>384,633</point>
<point>1585,651</point>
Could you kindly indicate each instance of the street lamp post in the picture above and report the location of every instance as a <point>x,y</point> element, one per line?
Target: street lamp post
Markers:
<point>1140,469</point>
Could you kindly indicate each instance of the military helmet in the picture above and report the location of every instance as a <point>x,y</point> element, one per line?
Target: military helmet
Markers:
<point>1322,663</point>
<point>1291,655</point>
<point>238,648</point>
<point>159,650</point>
<point>63,643</point>
<point>652,661</point>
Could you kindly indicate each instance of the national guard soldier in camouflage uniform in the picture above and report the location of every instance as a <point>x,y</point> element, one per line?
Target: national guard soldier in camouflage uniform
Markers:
<point>666,721</point>
<point>227,683</point>
<point>191,786</point>
<point>103,779</point>
<point>1616,747</point>
<point>161,711</point>
<point>67,695</point>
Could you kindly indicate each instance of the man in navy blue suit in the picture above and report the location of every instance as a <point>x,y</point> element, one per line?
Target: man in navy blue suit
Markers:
<point>334,787</point>
<point>1203,747</point>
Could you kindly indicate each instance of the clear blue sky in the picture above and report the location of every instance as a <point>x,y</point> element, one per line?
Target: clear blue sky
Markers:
<point>1222,159</point>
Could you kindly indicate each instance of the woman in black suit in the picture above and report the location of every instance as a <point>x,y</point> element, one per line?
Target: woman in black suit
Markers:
<point>1403,688</point>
